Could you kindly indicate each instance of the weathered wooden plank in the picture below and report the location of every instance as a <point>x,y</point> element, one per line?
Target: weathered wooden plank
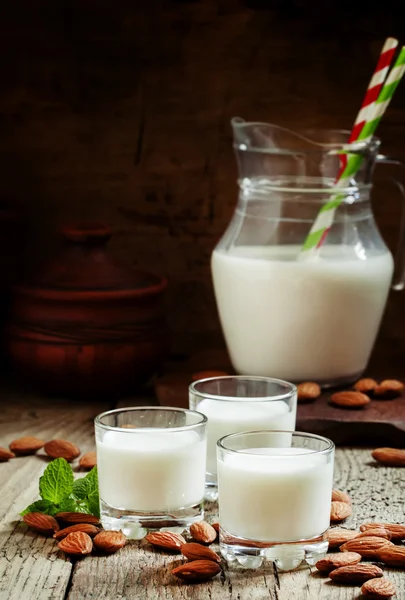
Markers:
<point>31,567</point>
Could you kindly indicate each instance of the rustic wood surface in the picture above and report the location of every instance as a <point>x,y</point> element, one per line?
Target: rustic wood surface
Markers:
<point>31,568</point>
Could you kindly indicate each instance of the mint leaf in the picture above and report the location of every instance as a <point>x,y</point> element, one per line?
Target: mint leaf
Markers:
<point>42,506</point>
<point>86,489</point>
<point>57,481</point>
<point>73,504</point>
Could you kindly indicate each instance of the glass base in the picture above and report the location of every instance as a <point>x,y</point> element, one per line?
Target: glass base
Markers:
<point>341,381</point>
<point>286,556</point>
<point>211,491</point>
<point>136,523</point>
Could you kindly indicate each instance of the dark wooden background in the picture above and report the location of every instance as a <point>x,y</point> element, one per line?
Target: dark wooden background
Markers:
<point>119,111</point>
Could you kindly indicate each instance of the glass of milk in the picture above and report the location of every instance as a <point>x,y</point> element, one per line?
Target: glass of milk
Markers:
<point>237,403</point>
<point>151,468</point>
<point>283,315</point>
<point>275,493</point>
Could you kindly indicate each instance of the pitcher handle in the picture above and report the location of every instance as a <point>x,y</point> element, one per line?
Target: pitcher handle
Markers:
<point>398,283</point>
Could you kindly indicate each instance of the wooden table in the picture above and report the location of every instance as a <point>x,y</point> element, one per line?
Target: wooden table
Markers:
<point>32,567</point>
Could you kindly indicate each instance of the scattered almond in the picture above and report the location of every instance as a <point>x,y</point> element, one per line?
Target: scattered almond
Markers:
<point>194,551</point>
<point>26,445</point>
<point>355,574</point>
<point>340,559</point>
<point>388,389</point>
<point>42,523</point>
<point>365,386</point>
<point>5,454</point>
<point>110,541</point>
<point>78,543</point>
<point>378,589</point>
<point>216,527</point>
<point>72,517</point>
<point>376,532</point>
<point>91,530</point>
<point>338,496</point>
<point>397,531</point>
<point>339,511</point>
<point>203,532</point>
<point>336,536</point>
<point>368,546</point>
<point>197,570</point>
<point>166,540</point>
<point>392,457</point>
<point>88,460</point>
<point>61,449</point>
<point>393,556</point>
<point>349,399</point>
<point>308,391</point>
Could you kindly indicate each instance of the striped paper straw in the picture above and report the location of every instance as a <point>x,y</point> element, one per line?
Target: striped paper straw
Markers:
<point>324,220</point>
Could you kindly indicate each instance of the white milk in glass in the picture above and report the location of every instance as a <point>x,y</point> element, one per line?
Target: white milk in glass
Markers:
<point>300,320</point>
<point>151,471</point>
<point>235,416</point>
<point>275,494</point>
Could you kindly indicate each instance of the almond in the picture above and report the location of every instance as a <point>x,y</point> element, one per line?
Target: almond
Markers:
<point>72,517</point>
<point>354,574</point>
<point>339,511</point>
<point>26,445</point>
<point>349,399</point>
<point>388,389</point>
<point>91,530</point>
<point>340,559</point>
<point>376,532</point>
<point>194,551</point>
<point>365,386</point>
<point>43,523</point>
<point>397,531</point>
<point>203,532</point>
<point>78,543</point>
<point>336,536</point>
<point>392,457</point>
<point>308,391</point>
<point>368,547</point>
<point>5,454</point>
<point>378,589</point>
<point>166,540</point>
<point>393,556</point>
<point>216,527</point>
<point>208,375</point>
<point>197,570</point>
<point>88,460</point>
<point>110,541</point>
<point>338,496</point>
<point>61,449</point>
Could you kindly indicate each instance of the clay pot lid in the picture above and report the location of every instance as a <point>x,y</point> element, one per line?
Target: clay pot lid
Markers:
<point>84,265</point>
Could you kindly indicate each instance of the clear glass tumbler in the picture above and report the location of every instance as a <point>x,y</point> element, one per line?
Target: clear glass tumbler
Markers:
<point>238,403</point>
<point>151,467</point>
<point>275,493</point>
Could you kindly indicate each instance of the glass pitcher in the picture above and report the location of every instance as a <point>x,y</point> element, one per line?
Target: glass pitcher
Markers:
<point>288,315</point>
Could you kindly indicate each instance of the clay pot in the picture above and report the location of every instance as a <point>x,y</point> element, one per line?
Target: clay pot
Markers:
<point>87,325</point>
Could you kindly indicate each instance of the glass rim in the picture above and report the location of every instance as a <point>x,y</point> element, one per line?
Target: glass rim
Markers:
<point>97,420</point>
<point>222,398</point>
<point>303,434</point>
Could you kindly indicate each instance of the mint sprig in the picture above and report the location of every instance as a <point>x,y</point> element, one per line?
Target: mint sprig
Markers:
<point>61,493</point>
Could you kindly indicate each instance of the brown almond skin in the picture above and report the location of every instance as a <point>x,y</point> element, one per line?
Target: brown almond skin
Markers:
<point>339,496</point>
<point>42,523</point>
<point>166,540</point>
<point>194,551</point>
<point>339,559</point>
<point>391,457</point>
<point>336,536</point>
<point>88,461</point>
<point>26,445</point>
<point>71,517</point>
<point>215,526</point>
<point>349,399</point>
<point>91,530</point>
<point>77,544</point>
<point>378,589</point>
<point>365,386</point>
<point>197,570</point>
<point>393,556</point>
<point>376,532</point>
<point>62,449</point>
<point>110,541</point>
<point>355,574</point>
<point>388,389</point>
<point>308,391</point>
<point>203,532</point>
<point>339,511</point>
<point>396,530</point>
<point>5,454</point>
<point>368,547</point>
